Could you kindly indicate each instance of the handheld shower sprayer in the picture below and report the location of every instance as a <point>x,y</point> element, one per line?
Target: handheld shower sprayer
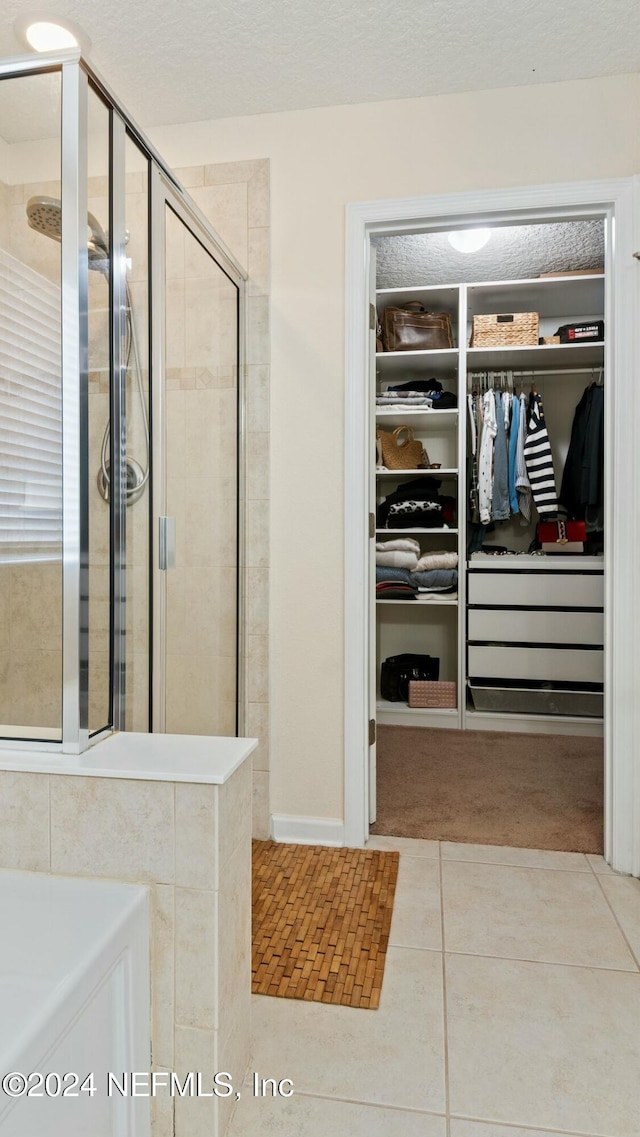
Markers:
<point>44,214</point>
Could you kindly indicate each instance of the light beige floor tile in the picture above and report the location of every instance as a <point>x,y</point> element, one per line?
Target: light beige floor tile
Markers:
<point>504,855</point>
<point>623,894</point>
<point>521,913</point>
<point>409,846</point>
<point>392,1056</point>
<point>599,865</point>
<point>302,1116</point>
<point>416,907</point>
<point>488,1129</point>
<point>544,1046</point>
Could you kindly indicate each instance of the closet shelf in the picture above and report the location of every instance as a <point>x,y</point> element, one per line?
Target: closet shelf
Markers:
<point>416,412</point>
<point>536,356</point>
<point>383,705</point>
<point>409,363</point>
<point>441,473</point>
<point>433,296</point>
<point>549,296</point>
<point>441,530</point>
<point>428,601</point>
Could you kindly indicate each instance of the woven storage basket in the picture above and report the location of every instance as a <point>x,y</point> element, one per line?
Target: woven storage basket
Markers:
<point>428,694</point>
<point>508,329</point>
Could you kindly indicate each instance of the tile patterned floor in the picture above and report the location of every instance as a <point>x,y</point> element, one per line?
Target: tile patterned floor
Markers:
<point>527,1024</point>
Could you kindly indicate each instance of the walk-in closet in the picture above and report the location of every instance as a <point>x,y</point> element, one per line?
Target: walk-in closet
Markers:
<point>488,395</point>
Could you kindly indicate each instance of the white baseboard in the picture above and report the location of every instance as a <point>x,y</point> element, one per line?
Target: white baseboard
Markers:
<point>307,830</point>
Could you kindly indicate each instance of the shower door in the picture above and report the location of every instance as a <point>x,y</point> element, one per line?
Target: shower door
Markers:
<point>196,491</point>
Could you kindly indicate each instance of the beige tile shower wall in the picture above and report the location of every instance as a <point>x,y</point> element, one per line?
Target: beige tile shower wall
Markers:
<point>5,197</point>
<point>31,592</point>
<point>190,844</point>
<point>234,197</point>
<point>202,383</point>
<point>30,689</point>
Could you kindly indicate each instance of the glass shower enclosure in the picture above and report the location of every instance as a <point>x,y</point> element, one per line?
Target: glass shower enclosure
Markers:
<point>121,428</point>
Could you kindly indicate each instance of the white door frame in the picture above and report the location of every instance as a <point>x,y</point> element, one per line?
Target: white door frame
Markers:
<point>617,199</point>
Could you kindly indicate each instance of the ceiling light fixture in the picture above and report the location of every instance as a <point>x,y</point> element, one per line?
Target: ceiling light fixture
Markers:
<point>46,36</point>
<point>43,31</point>
<point>469,240</point>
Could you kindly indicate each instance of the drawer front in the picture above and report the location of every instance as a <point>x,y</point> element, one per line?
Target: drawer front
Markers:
<point>544,590</point>
<point>537,626</point>
<point>570,665</point>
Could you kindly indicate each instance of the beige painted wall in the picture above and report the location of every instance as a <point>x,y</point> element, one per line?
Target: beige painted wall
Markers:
<point>320,161</point>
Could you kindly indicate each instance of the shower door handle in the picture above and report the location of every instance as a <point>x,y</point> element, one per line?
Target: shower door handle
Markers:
<point>167,543</point>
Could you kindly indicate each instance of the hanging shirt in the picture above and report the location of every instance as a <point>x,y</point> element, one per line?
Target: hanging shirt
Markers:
<point>513,446</point>
<point>539,461</point>
<point>523,488</point>
<point>583,478</point>
<point>485,473</point>
<point>500,496</point>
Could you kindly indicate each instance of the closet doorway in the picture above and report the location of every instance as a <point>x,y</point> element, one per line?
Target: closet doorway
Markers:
<point>491,520</point>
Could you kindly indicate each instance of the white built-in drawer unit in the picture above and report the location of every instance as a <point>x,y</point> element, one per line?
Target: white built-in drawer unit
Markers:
<point>537,589</point>
<point>536,626</point>
<point>551,665</point>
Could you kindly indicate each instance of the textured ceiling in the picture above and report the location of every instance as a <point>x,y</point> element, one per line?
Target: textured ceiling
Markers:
<point>514,252</point>
<point>183,61</point>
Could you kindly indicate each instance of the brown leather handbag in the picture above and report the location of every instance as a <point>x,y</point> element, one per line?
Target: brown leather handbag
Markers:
<point>413,328</point>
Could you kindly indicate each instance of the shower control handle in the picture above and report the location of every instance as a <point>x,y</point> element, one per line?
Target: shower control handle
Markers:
<point>167,543</point>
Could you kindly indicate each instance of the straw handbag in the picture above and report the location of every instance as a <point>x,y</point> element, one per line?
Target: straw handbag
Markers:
<point>408,454</point>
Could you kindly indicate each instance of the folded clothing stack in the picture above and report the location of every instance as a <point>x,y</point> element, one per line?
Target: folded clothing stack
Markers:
<point>437,560</point>
<point>411,577</point>
<point>393,561</point>
<point>417,505</point>
<point>417,393</point>
<point>395,590</point>
<point>403,553</point>
<point>437,580</point>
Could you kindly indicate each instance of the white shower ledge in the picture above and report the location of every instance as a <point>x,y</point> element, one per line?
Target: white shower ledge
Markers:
<point>144,757</point>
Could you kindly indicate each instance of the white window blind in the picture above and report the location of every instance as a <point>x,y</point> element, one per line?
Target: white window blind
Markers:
<point>30,414</point>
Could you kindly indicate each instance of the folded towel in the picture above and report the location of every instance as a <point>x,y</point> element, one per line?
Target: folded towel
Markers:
<point>391,590</point>
<point>401,545</point>
<point>439,560</point>
<point>437,580</point>
<point>397,560</point>
<point>395,576</point>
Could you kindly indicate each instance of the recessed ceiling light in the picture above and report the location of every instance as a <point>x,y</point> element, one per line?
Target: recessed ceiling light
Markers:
<point>46,36</point>
<point>43,31</point>
<point>469,240</point>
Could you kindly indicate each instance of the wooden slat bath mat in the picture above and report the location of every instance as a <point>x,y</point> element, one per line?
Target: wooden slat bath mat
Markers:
<point>321,921</point>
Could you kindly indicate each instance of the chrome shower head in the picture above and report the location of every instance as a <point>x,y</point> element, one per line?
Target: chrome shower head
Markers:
<point>44,214</point>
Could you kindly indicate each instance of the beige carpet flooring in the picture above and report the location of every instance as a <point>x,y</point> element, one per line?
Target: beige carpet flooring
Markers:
<point>535,791</point>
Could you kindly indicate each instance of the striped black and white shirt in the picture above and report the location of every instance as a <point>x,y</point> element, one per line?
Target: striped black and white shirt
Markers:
<point>539,460</point>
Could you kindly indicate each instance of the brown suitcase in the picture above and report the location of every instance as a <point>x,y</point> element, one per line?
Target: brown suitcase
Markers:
<point>413,328</point>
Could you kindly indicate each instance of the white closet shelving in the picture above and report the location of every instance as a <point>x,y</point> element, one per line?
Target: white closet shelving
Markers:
<point>440,625</point>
